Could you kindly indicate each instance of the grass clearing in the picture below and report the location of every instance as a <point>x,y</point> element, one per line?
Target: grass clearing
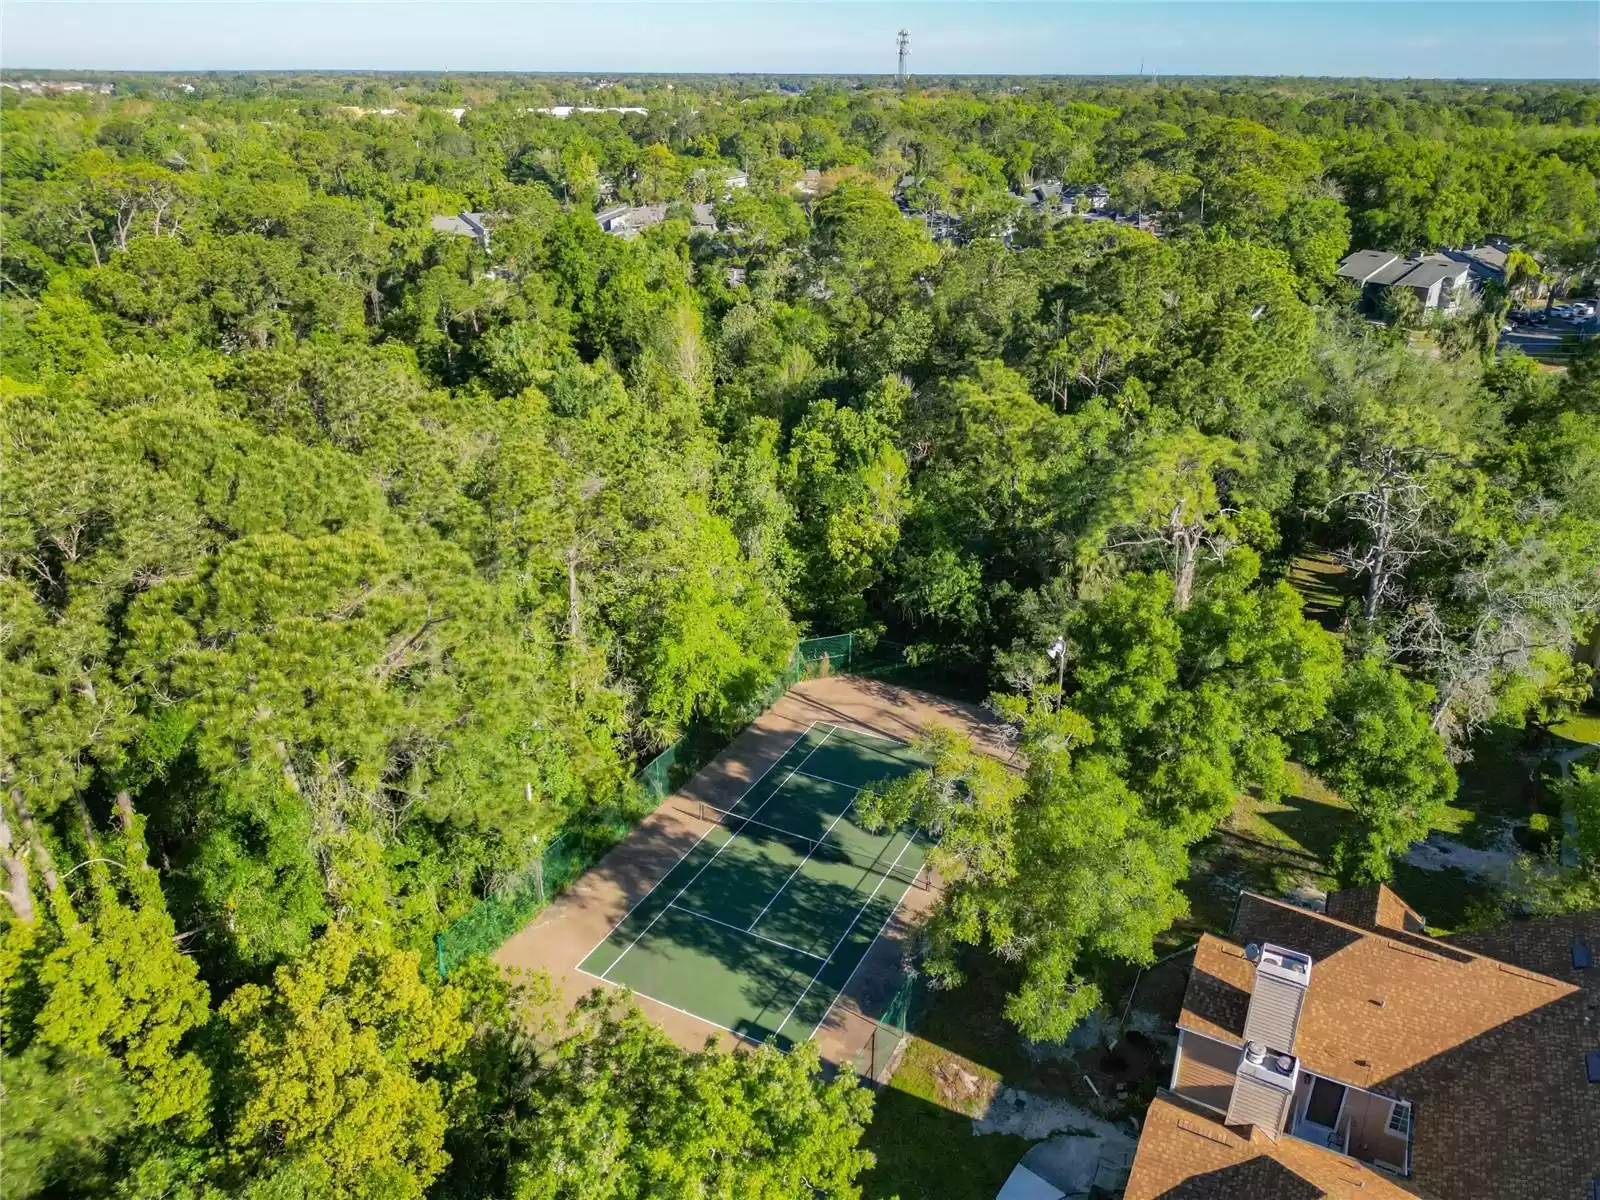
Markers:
<point>922,1135</point>
<point>1307,819</point>
<point>921,1129</point>
<point>964,1051</point>
<point>1276,847</point>
<point>1324,585</point>
<point>1583,727</point>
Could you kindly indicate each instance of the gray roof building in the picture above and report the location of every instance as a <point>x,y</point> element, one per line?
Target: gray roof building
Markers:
<point>1361,266</point>
<point>1485,262</point>
<point>466,224</point>
<point>1437,279</point>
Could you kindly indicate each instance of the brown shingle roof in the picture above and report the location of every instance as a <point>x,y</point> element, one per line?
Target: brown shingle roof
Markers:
<point>1187,1154</point>
<point>1544,945</point>
<point>1489,1052</point>
<point>1375,906</point>
<point>1219,991</point>
<point>1380,1003</point>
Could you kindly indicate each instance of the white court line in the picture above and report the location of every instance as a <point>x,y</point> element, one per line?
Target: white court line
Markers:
<point>825,779</point>
<point>719,850</point>
<point>785,885</point>
<point>646,996</point>
<point>805,733</point>
<point>872,733</point>
<point>849,929</point>
<point>845,986</point>
<point>749,932</point>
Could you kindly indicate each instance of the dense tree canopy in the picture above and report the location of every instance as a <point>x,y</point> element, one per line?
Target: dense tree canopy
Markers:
<point>343,560</point>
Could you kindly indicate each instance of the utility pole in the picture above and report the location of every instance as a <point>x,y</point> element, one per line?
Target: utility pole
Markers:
<point>902,43</point>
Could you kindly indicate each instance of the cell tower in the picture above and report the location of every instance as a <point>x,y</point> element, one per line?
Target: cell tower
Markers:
<point>902,43</point>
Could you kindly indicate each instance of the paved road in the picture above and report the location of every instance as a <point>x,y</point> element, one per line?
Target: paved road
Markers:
<point>1541,341</point>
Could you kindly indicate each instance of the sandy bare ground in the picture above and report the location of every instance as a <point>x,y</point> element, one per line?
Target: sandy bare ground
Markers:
<point>563,934</point>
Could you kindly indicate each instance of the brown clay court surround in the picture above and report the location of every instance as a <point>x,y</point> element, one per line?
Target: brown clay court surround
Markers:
<point>585,916</point>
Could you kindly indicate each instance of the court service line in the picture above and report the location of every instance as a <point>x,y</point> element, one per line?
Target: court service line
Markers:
<point>750,932</point>
<point>804,733</point>
<point>714,856</point>
<point>646,996</point>
<point>849,929</point>
<point>785,885</point>
<point>845,986</point>
<point>824,779</point>
<point>871,733</point>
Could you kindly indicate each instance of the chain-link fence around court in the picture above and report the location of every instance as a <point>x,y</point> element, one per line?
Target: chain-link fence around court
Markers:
<point>517,898</point>
<point>866,654</point>
<point>877,1057</point>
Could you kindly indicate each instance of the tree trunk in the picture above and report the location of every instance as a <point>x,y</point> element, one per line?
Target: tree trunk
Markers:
<point>1369,606</point>
<point>1183,582</point>
<point>574,610</point>
<point>1186,542</point>
<point>33,844</point>
<point>18,893</point>
<point>1377,576</point>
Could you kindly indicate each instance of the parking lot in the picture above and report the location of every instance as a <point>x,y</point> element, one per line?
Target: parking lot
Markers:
<point>1547,339</point>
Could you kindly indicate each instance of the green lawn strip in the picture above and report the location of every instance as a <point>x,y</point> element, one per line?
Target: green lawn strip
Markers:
<point>1307,819</point>
<point>1584,727</point>
<point>1323,586</point>
<point>925,1149</point>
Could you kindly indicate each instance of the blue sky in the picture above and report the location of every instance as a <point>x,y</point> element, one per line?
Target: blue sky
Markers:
<point>1432,38</point>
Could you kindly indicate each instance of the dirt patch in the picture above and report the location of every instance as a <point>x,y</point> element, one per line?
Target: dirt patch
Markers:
<point>1030,1115</point>
<point>1309,896</point>
<point>1440,853</point>
<point>961,1089</point>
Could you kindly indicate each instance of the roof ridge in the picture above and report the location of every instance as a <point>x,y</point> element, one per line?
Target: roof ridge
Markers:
<point>1399,940</point>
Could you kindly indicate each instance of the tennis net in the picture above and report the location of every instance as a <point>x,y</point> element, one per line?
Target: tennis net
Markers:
<point>880,855</point>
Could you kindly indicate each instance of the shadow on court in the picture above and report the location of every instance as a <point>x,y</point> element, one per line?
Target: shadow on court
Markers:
<point>758,943</point>
<point>761,924</point>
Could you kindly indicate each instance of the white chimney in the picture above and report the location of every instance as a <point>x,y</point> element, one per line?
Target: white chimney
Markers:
<point>1279,993</point>
<point>1263,1088</point>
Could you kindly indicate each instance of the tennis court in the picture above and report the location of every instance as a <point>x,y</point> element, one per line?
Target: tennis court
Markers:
<point>762,923</point>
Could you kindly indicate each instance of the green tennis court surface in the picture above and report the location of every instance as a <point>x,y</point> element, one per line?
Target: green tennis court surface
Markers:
<point>761,924</point>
